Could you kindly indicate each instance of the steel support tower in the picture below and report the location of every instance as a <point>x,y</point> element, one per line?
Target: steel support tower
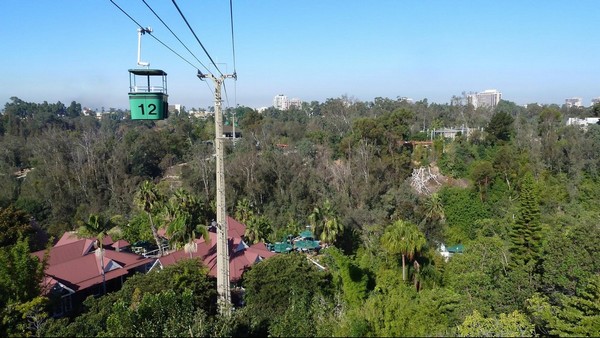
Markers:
<point>223,284</point>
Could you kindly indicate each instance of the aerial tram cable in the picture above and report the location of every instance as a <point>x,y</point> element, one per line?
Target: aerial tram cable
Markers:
<point>226,96</point>
<point>175,35</point>
<point>234,67</point>
<point>223,280</point>
<point>232,39</point>
<point>183,44</point>
<point>196,36</point>
<point>152,35</point>
<point>129,16</point>
<point>145,30</point>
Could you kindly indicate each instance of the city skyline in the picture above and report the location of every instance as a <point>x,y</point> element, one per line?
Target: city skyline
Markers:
<point>310,49</point>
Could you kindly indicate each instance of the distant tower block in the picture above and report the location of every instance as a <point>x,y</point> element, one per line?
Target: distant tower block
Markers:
<point>487,98</point>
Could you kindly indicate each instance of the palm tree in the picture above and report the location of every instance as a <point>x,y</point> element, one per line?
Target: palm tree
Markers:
<point>252,231</point>
<point>315,219</point>
<point>434,215</point>
<point>183,215</point>
<point>403,238</point>
<point>332,228</point>
<point>325,223</point>
<point>258,228</point>
<point>293,227</point>
<point>98,226</point>
<point>434,208</point>
<point>148,200</point>
<point>243,211</point>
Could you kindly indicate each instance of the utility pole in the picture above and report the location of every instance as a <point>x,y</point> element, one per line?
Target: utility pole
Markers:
<point>223,284</point>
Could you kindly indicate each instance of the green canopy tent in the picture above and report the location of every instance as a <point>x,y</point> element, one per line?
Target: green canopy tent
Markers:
<point>456,249</point>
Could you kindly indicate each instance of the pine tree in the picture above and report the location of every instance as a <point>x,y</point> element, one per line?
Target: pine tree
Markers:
<point>577,315</point>
<point>525,234</point>
<point>580,314</point>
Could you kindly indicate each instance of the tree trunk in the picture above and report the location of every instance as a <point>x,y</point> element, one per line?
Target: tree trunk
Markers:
<point>403,268</point>
<point>417,282</point>
<point>155,234</point>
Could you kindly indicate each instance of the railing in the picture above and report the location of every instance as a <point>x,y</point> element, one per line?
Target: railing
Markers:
<point>147,89</point>
<point>152,253</point>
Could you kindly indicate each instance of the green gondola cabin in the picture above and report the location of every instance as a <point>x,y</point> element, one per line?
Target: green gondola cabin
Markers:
<point>148,94</point>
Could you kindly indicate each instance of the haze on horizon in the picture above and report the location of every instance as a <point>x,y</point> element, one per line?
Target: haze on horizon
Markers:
<point>311,50</point>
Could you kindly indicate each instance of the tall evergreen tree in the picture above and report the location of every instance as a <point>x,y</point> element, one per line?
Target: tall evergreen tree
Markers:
<point>500,127</point>
<point>525,234</point>
<point>575,316</point>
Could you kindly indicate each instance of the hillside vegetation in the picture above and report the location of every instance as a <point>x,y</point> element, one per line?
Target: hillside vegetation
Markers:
<point>519,192</point>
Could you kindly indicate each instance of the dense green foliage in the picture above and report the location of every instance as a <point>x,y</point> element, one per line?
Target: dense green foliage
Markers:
<point>525,232</point>
<point>162,302</point>
<point>280,293</point>
<point>21,308</point>
<point>519,192</point>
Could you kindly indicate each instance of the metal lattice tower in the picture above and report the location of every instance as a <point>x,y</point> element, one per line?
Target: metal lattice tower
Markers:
<point>223,284</point>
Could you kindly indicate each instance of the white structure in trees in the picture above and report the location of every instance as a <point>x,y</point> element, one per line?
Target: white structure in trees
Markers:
<point>582,122</point>
<point>574,102</point>
<point>282,102</point>
<point>488,98</point>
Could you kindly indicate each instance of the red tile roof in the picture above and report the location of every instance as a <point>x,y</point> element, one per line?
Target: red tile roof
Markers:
<point>120,244</point>
<point>235,229</point>
<point>75,263</point>
<point>239,260</point>
<point>71,237</point>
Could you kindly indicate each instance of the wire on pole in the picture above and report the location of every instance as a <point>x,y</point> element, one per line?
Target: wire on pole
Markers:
<point>196,36</point>
<point>152,35</point>
<point>175,35</point>
<point>232,38</point>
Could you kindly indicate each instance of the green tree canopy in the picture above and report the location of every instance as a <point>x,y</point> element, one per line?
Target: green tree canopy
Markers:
<point>404,239</point>
<point>274,285</point>
<point>514,324</point>
<point>149,200</point>
<point>525,234</point>
<point>20,281</point>
<point>14,223</point>
<point>577,315</point>
<point>326,223</point>
<point>500,127</point>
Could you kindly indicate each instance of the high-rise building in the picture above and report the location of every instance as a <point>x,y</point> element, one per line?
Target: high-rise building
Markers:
<point>574,102</point>
<point>295,103</point>
<point>595,100</point>
<point>488,98</point>
<point>281,102</point>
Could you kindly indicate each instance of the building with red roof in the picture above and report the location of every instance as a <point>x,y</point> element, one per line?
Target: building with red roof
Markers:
<point>241,255</point>
<point>76,269</point>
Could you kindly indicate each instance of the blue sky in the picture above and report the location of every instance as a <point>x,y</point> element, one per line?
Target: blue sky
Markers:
<point>532,51</point>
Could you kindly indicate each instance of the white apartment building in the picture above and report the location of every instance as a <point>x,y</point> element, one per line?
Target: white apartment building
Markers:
<point>488,98</point>
<point>295,103</point>
<point>281,102</point>
<point>574,102</point>
<point>582,122</point>
<point>175,107</point>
